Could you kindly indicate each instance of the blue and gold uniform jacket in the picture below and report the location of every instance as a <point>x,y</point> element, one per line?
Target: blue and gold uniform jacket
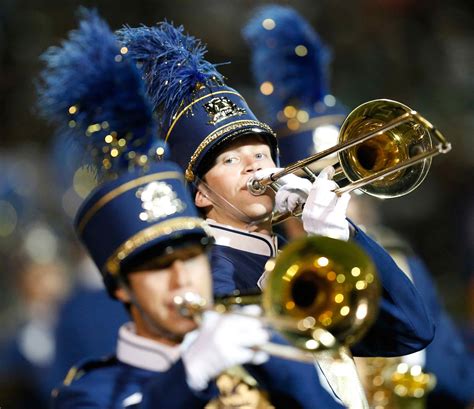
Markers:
<point>148,375</point>
<point>403,326</point>
<point>122,381</point>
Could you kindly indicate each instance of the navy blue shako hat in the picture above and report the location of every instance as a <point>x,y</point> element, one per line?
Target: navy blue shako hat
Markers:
<point>198,111</point>
<point>92,90</point>
<point>290,65</point>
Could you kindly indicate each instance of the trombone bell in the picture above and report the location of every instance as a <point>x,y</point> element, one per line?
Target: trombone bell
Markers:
<point>391,147</point>
<point>384,149</point>
<point>327,287</point>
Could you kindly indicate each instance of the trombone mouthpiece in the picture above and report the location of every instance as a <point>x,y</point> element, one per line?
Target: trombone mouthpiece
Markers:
<point>189,304</point>
<point>255,187</point>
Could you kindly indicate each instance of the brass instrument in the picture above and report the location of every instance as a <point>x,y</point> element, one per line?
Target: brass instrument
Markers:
<point>319,293</point>
<point>384,149</point>
<point>411,385</point>
<point>391,383</point>
<point>322,295</point>
<point>375,373</point>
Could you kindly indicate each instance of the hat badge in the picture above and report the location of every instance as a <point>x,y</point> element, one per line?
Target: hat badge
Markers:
<point>220,108</point>
<point>159,200</point>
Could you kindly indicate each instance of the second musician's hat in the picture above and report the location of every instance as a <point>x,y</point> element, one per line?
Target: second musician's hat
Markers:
<point>290,65</point>
<point>141,207</point>
<point>198,111</point>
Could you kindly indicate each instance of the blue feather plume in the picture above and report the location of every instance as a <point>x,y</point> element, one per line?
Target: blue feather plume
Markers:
<point>172,64</point>
<point>300,80</point>
<point>93,92</point>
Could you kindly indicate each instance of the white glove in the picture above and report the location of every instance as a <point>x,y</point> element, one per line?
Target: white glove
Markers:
<point>222,341</point>
<point>324,213</point>
<point>293,191</point>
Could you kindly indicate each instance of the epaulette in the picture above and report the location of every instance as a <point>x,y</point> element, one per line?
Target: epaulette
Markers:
<point>83,367</point>
<point>87,365</point>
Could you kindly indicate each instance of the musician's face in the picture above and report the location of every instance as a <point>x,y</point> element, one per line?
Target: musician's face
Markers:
<point>228,179</point>
<point>184,270</point>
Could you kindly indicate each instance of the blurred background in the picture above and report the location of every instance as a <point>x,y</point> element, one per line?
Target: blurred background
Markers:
<point>419,52</point>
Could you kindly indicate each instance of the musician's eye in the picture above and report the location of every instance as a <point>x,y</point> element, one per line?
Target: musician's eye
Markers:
<point>260,155</point>
<point>230,160</point>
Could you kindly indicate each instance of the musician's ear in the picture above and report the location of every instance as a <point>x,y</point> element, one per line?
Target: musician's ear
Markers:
<point>201,199</point>
<point>122,295</point>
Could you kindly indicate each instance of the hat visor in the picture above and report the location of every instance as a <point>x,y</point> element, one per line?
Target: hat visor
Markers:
<point>155,250</point>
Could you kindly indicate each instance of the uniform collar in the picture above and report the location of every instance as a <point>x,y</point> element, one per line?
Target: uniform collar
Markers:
<point>239,239</point>
<point>144,353</point>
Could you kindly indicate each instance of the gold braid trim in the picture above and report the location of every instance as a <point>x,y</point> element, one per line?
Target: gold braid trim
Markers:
<point>112,265</point>
<point>189,174</point>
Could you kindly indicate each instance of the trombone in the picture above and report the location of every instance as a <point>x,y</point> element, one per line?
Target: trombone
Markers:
<point>384,148</point>
<point>320,293</point>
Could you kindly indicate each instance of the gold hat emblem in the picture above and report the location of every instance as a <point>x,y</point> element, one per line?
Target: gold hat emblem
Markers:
<point>220,108</point>
<point>159,200</point>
